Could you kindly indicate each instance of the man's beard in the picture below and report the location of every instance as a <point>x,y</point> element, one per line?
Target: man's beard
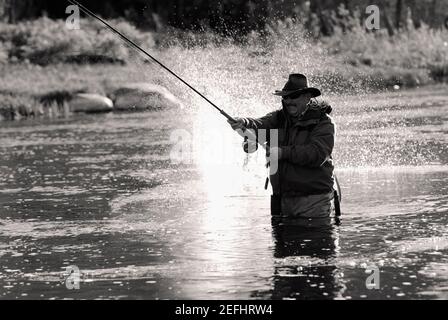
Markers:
<point>298,114</point>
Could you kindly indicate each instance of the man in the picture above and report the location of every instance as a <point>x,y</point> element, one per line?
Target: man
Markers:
<point>303,184</point>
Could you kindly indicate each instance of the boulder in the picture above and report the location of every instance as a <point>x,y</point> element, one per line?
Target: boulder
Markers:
<point>144,96</point>
<point>90,103</point>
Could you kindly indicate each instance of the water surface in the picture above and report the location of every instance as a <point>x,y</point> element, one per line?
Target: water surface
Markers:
<point>100,192</point>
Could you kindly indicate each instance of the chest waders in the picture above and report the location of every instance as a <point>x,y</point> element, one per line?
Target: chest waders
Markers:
<point>276,199</point>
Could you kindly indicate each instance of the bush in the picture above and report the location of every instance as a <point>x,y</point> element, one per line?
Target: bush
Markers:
<point>409,48</point>
<point>46,41</point>
<point>14,106</point>
<point>353,56</point>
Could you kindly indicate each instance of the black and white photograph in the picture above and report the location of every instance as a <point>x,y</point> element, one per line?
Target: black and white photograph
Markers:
<point>237,151</point>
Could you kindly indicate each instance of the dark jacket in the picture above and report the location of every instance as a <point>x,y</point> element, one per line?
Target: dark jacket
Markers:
<point>306,166</point>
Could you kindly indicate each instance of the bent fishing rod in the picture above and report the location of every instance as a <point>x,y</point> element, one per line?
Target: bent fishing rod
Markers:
<point>250,134</point>
<point>141,50</point>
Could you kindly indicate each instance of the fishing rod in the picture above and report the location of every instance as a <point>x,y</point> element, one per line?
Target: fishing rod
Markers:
<point>138,48</point>
<point>250,135</point>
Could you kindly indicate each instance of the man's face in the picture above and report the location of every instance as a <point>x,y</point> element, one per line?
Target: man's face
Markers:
<point>295,106</point>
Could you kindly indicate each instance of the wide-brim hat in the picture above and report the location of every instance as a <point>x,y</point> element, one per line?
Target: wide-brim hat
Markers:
<point>297,83</point>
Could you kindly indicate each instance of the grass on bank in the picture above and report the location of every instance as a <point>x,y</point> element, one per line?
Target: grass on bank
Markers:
<point>35,56</point>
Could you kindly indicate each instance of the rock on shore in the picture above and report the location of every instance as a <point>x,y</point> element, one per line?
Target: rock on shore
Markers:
<point>144,96</point>
<point>90,103</point>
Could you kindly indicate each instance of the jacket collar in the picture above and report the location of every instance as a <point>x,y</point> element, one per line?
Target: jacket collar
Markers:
<point>312,116</point>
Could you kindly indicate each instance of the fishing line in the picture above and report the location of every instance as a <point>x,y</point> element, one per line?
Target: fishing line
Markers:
<point>144,52</point>
<point>138,48</point>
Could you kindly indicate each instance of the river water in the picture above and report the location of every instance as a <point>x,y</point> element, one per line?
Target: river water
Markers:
<point>103,193</point>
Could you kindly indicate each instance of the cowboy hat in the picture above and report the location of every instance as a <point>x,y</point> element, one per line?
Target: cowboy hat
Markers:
<point>297,83</point>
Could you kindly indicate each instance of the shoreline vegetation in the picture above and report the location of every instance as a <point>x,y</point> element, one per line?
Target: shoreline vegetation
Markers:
<point>41,59</point>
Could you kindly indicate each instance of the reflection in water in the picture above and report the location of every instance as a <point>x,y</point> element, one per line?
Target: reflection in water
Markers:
<point>317,276</point>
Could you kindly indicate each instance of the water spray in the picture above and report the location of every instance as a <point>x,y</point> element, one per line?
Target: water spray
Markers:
<point>248,133</point>
<point>144,52</point>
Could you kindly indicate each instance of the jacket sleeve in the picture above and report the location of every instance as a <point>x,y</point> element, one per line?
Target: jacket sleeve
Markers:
<point>269,121</point>
<point>317,151</point>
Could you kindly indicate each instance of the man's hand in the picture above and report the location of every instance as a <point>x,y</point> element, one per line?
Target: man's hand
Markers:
<point>238,124</point>
<point>275,153</point>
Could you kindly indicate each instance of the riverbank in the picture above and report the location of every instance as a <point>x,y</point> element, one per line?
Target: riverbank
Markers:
<point>51,58</point>
<point>31,90</point>
<point>23,86</point>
